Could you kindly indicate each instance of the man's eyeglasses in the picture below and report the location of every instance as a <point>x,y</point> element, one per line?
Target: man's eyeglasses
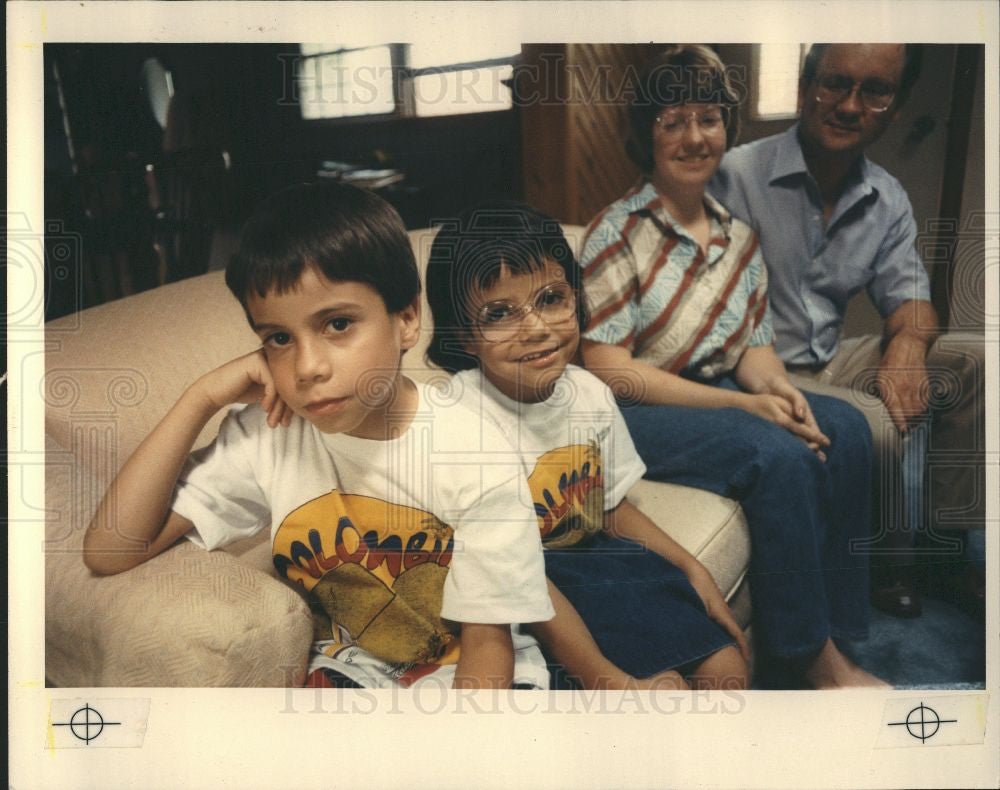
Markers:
<point>875,95</point>
<point>710,121</point>
<point>501,320</point>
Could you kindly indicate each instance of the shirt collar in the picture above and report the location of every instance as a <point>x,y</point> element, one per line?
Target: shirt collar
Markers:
<point>789,161</point>
<point>863,172</point>
<point>645,198</point>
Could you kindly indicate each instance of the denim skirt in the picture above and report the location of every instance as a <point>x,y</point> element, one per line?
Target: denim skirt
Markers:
<point>642,611</point>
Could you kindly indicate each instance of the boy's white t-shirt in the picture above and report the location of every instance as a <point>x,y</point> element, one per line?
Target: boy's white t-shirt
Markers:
<point>577,453</point>
<point>389,540</point>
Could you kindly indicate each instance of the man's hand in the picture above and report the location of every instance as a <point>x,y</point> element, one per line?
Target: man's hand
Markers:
<point>902,380</point>
<point>246,379</point>
<point>902,372</point>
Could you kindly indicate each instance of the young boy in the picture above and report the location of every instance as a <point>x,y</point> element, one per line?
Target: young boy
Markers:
<point>408,540</point>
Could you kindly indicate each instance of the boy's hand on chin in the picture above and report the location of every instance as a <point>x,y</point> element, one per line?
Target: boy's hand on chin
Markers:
<point>246,379</point>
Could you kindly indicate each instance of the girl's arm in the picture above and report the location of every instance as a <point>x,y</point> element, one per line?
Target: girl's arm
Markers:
<point>639,382</point>
<point>568,640</point>
<point>486,658</point>
<point>134,522</point>
<point>627,521</point>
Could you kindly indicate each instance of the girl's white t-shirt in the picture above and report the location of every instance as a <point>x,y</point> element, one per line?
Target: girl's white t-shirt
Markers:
<point>575,448</point>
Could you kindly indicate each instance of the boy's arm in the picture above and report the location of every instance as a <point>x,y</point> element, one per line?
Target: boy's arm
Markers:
<point>627,521</point>
<point>486,659</point>
<point>133,522</point>
<point>568,640</point>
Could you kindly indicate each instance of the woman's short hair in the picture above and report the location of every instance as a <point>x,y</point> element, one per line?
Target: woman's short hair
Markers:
<point>469,254</point>
<point>681,74</point>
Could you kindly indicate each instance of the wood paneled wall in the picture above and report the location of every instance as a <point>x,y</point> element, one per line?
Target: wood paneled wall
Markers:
<point>573,100</point>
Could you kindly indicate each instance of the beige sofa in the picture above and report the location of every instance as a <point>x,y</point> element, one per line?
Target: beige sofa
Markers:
<point>222,618</point>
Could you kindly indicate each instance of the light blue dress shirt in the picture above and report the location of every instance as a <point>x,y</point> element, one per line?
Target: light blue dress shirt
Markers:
<point>816,267</point>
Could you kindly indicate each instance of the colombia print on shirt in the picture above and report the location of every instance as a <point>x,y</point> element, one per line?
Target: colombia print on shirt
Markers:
<point>567,487</point>
<point>373,569</point>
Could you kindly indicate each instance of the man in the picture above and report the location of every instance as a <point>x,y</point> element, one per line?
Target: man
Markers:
<point>831,223</point>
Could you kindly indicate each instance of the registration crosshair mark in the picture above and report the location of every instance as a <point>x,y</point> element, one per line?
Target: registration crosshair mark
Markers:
<point>922,722</point>
<point>77,723</point>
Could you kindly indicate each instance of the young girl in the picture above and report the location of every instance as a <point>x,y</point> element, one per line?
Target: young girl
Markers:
<point>632,606</point>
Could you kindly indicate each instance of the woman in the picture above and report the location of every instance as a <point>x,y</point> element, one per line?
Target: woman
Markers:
<point>681,331</point>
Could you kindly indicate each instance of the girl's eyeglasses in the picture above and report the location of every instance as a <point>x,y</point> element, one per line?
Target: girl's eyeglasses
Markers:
<point>501,320</point>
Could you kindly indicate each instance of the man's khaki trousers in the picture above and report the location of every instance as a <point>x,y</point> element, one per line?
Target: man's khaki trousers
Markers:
<point>954,465</point>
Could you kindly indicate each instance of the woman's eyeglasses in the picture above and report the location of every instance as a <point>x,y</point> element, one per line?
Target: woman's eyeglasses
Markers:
<point>501,320</point>
<point>710,121</point>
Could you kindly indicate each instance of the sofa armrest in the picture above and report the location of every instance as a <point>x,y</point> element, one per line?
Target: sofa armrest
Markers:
<point>188,617</point>
<point>713,528</point>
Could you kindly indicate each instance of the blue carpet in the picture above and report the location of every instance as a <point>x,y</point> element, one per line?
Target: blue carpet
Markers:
<point>944,648</point>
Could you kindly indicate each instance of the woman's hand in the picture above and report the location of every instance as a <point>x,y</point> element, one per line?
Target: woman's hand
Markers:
<point>246,379</point>
<point>800,409</point>
<point>791,411</point>
<point>716,606</point>
<point>761,372</point>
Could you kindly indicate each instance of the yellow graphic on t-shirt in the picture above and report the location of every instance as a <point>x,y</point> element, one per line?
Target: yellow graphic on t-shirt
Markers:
<point>374,569</point>
<point>567,487</point>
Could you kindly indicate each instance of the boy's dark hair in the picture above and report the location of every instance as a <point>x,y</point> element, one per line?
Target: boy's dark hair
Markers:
<point>913,58</point>
<point>470,251</point>
<point>681,74</point>
<point>347,233</point>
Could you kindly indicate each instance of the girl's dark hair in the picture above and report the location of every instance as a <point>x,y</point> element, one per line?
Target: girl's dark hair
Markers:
<point>681,74</point>
<point>345,232</point>
<point>469,253</point>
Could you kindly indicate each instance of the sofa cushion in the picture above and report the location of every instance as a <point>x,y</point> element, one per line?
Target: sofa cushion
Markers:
<point>113,371</point>
<point>185,618</point>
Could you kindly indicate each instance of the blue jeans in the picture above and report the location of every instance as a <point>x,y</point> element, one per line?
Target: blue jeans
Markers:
<point>803,514</point>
